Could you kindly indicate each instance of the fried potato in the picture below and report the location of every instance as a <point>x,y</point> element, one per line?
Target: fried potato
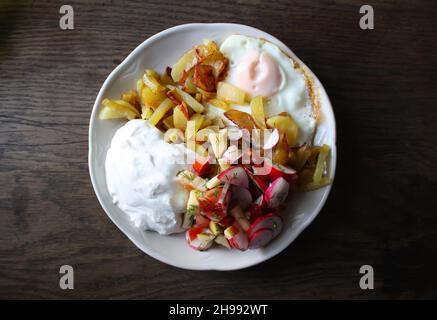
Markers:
<point>203,134</point>
<point>285,124</point>
<point>146,112</point>
<point>132,98</point>
<point>204,78</point>
<point>180,117</point>
<point>151,99</point>
<point>280,151</point>
<point>228,92</point>
<point>257,107</point>
<point>168,122</point>
<point>190,101</point>
<point>118,109</point>
<point>162,109</point>
<point>241,119</point>
<point>150,79</point>
<point>198,119</point>
<point>184,64</point>
<point>174,135</point>
<point>219,104</point>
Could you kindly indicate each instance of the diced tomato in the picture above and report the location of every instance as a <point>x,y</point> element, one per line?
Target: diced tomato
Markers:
<point>202,165</point>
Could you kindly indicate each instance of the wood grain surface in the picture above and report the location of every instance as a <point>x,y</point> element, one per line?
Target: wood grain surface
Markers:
<point>382,209</point>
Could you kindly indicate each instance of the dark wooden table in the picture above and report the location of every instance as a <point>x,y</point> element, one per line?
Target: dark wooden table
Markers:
<point>382,209</point>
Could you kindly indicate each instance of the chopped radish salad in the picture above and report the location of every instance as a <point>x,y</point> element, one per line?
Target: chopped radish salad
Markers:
<point>237,208</point>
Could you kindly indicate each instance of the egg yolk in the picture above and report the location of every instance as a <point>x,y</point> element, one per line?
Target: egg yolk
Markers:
<point>258,74</point>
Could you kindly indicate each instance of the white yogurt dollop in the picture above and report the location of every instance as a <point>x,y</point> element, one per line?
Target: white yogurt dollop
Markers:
<point>141,173</point>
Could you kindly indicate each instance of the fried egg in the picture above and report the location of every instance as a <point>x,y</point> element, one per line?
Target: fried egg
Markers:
<point>259,67</point>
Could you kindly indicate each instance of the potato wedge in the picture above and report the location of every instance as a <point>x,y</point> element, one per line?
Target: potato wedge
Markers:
<point>174,135</point>
<point>189,85</point>
<point>140,86</point>
<point>151,99</point>
<point>190,101</point>
<point>180,118</point>
<point>203,134</point>
<point>228,92</point>
<point>203,77</point>
<point>219,104</point>
<point>132,98</point>
<point>280,152</point>
<point>257,107</point>
<point>184,64</point>
<point>117,112</point>
<point>168,122</point>
<point>198,119</point>
<point>120,106</point>
<point>241,119</point>
<point>146,112</point>
<point>162,109</point>
<point>285,124</point>
<point>150,79</point>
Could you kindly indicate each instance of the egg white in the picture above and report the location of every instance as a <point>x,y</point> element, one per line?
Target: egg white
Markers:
<point>293,95</point>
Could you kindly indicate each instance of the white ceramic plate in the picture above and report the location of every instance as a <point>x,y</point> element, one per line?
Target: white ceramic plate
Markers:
<point>157,52</point>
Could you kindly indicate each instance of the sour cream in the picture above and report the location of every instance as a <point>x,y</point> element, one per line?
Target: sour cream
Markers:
<point>141,173</point>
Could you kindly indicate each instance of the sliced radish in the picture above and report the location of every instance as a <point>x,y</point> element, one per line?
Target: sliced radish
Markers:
<point>255,211</point>
<point>199,238</point>
<point>277,171</point>
<point>261,202</point>
<point>235,175</point>
<point>277,192</point>
<point>239,216</point>
<point>260,238</point>
<point>271,139</point>
<point>234,133</point>
<point>270,221</point>
<point>241,197</point>
<point>232,154</point>
<point>239,240</point>
<point>251,157</point>
<point>256,181</point>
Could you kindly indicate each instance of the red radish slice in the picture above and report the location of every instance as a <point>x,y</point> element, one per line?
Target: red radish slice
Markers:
<point>196,244</point>
<point>237,237</point>
<point>193,238</point>
<point>271,139</point>
<point>240,217</point>
<point>235,175</point>
<point>240,240</point>
<point>261,202</point>
<point>270,221</point>
<point>255,212</point>
<point>192,233</point>
<point>202,165</point>
<point>262,172</point>
<point>241,197</point>
<point>277,171</point>
<point>234,133</point>
<point>256,181</point>
<point>277,192</point>
<point>260,238</point>
<point>232,154</point>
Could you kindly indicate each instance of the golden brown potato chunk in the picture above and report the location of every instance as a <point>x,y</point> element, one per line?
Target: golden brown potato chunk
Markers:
<point>204,77</point>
